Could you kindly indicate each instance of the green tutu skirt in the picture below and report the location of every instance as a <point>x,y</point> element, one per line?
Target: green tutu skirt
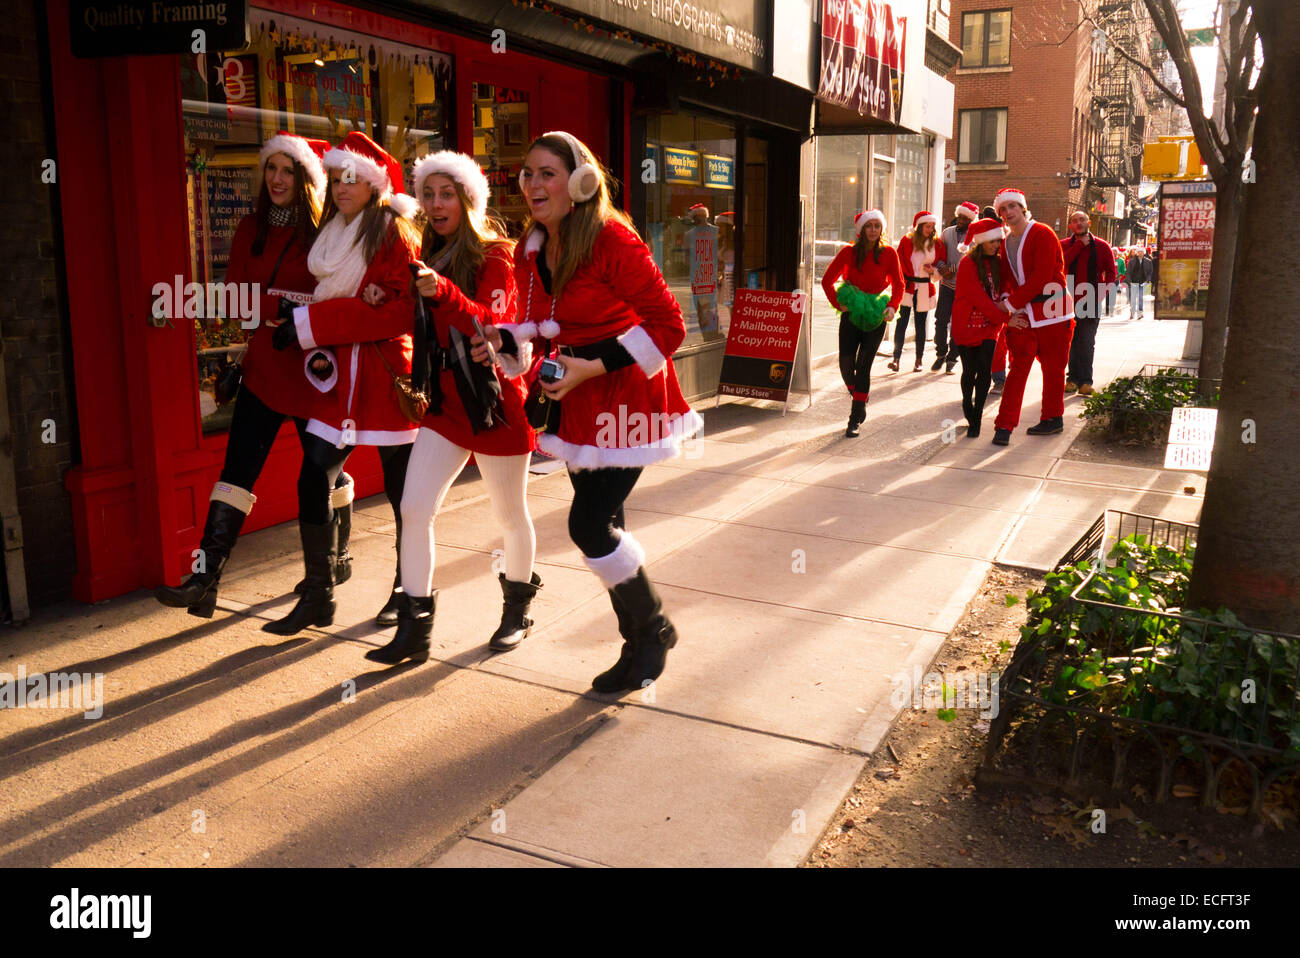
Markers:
<point>864,310</point>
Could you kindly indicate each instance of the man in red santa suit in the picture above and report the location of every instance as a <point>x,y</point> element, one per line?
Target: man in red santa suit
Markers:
<point>1043,319</point>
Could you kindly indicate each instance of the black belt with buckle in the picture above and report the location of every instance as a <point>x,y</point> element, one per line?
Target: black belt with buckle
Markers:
<point>917,279</point>
<point>590,351</point>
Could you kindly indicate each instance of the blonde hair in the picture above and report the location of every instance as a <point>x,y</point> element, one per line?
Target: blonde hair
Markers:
<point>918,242</point>
<point>475,237</point>
<point>579,229</point>
<point>378,220</point>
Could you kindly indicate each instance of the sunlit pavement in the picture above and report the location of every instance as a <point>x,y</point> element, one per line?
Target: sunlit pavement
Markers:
<point>803,570</point>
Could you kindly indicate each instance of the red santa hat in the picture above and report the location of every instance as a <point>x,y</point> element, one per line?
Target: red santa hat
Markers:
<point>867,216</point>
<point>981,231</point>
<point>727,218</point>
<point>967,209</point>
<point>1009,195</point>
<point>460,169</point>
<point>306,153</point>
<point>371,163</point>
<point>923,217</point>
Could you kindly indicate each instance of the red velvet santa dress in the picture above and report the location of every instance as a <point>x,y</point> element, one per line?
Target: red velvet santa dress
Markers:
<point>629,417</point>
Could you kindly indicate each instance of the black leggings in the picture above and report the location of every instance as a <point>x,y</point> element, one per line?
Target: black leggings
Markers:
<point>976,371</point>
<point>900,333</point>
<point>597,510</point>
<point>857,352</point>
<point>322,464</point>
<point>253,429</point>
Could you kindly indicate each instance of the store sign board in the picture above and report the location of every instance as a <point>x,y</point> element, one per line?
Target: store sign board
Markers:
<point>1191,438</point>
<point>719,172</point>
<point>862,58</point>
<point>1186,244</point>
<point>681,166</point>
<point>761,344</point>
<point>100,28</point>
<point>734,31</point>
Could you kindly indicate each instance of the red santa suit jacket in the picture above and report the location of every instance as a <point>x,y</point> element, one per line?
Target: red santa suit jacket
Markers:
<point>358,404</point>
<point>1038,277</point>
<point>872,277</point>
<point>513,437</point>
<point>627,417</point>
<point>273,375</point>
<point>975,315</point>
<point>905,250</point>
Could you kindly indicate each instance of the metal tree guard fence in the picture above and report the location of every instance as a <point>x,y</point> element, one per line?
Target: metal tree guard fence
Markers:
<point>1066,715</point>
<point>1133,416</point>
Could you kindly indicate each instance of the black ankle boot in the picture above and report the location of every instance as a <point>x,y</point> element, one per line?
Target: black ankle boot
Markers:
<point>414,627</point>
<point>316,605</point>
<point>515,624</point>
<point>198,593</point>
<point>649,636</point>
<point>857,416</point>
<point>388,614</point>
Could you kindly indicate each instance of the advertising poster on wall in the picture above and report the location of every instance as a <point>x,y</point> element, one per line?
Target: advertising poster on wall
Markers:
<point>862,58</point>
<point>1186,243</point>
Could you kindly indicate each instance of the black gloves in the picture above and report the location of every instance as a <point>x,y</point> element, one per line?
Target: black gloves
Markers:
<point>286,334</point>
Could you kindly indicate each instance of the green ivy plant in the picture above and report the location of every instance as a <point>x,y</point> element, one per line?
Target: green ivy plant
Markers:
<point>1138,408</point>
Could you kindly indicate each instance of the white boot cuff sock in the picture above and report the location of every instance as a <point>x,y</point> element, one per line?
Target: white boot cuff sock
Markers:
<point>621,564</point>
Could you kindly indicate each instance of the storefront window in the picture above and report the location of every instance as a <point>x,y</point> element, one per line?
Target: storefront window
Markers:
<point>500,144</point>
<point>695,163</point>
<point>910,170</point>
<point>302,77</point>
<point>758,269</point>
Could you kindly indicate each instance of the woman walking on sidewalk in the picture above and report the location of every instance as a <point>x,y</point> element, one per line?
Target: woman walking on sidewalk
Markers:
<point>269,249</point>
<point>590,285</point>
<point>918,252</point>
<point>469,278</point>
<point>868,267</point>
<point>979,313</point>
<point>357,335</point>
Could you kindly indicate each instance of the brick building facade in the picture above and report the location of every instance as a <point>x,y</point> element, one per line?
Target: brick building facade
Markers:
<point>40,439</point>
<point>1046,89</point>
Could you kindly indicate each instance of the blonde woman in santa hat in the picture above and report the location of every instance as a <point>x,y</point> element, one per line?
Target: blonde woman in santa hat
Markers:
<point>269,249</point>
<point>868,268</point>
<point>590,286</point>
<point>918,251</point>
<point>357,336</point>
<point>979,314</point>
<point>473,408</point>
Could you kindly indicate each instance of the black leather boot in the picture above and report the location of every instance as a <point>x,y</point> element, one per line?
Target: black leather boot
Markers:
<point>414,627</point>
<point>857,416</point>
<point>614,679</point>
<point>198,593</point>
<point>343,558</point>
<point>316,605</point>
<point>388,614</point>
<point>515,624</point>
<point>650,636</point>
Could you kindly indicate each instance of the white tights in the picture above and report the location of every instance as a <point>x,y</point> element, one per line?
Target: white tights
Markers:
<point>435,464</point>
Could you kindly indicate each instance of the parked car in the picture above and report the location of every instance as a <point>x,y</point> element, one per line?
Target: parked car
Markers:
<point>823,252</point>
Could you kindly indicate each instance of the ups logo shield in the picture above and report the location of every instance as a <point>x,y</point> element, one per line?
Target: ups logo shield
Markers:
<point>776,374</point>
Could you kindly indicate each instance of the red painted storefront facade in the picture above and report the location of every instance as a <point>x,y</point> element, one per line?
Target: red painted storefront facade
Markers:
<point>140,491</point>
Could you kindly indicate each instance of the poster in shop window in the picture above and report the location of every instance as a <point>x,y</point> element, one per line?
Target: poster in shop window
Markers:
<point>862,58</point>
<point>1186,243</point>
<point>761,344</point>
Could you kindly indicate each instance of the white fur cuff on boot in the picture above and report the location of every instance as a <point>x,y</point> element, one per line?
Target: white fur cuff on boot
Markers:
<point>621,564</point>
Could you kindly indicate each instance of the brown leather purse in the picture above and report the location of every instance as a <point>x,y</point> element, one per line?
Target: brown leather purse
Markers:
<point>413,403</point>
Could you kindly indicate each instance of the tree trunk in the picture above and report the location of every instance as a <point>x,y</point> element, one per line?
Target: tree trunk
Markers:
<point>1248,554</point>
<point>1214,328</point>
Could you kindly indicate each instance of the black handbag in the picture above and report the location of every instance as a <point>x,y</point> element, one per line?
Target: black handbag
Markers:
<point>542,413</point>
<point>231,376</point>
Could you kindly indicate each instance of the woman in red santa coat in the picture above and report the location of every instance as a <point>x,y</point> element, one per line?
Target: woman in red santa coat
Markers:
<point>590,285</point>
<point>869,266</point>
<point>979,313</point>
<point>469,278</point>
<point>918,251</point>
<point>269,249</point>
<point>357,336</point>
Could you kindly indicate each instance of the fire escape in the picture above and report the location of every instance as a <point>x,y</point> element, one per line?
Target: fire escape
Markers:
<point>1117,102</point>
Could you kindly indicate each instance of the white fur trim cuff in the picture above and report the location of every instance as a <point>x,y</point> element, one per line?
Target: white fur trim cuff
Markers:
<point>302,325</point>
<point>643,349</point>
<point>621,564</point>
<point>235,496</point>
<point>579,457</point>
<point>343,495</point>
<point>516,366</point>
<point>322,385</point>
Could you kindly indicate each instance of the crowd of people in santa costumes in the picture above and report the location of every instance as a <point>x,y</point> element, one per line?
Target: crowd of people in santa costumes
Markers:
<point>918,252</point>
<point>357,339</point>
<point>467,282</point>
<point>864,271</point>
<point>953,236</point>
<point>590,287</point>
<point>269,249</point>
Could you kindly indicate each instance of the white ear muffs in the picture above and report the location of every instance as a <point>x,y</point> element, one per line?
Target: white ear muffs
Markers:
<point>584,181</point>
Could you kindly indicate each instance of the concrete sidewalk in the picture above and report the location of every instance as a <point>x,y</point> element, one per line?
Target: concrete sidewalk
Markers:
<point>802,570</point>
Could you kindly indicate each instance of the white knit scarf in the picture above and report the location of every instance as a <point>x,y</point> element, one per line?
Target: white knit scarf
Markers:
<point>336,259</point>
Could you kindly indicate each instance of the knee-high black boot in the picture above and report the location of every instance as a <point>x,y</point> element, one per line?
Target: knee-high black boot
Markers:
<point>414,628</point>
<point>198,593</point>
<point>388,614</point>
<point>648,635</point>
<point>316,605</point>
<point>341,500</point>
<point>515,624</point>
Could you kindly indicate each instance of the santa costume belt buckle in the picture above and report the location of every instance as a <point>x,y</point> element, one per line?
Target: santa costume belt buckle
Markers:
<point>581,352</point>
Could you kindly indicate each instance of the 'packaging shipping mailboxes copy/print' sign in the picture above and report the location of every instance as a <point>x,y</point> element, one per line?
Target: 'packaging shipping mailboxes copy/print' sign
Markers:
<point>761,344</point>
